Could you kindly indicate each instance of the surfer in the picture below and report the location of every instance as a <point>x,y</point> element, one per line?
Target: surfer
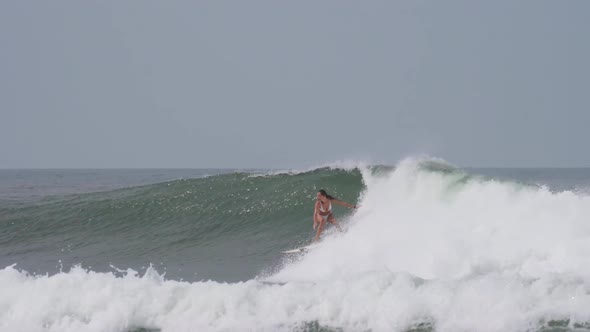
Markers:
<point>323,212</point>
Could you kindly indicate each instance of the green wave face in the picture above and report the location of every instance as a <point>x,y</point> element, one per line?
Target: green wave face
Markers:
<point>226,227</point>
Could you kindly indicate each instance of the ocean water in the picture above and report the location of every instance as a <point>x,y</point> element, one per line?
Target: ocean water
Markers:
<point>432,247</point>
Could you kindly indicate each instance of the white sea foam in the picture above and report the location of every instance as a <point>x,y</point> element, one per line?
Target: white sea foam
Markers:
<point>458,253</point>
<point>345,165</point>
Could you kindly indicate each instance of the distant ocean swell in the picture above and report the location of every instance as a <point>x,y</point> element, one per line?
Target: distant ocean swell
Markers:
<point>431,248</point>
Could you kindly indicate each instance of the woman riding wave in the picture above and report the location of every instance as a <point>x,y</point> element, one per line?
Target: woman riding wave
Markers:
<point>323,212</point>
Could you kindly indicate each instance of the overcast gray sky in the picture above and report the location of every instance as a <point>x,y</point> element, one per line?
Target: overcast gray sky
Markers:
<point>290,84</point>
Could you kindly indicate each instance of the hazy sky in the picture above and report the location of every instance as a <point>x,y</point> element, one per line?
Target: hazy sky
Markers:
<point>293,83</point>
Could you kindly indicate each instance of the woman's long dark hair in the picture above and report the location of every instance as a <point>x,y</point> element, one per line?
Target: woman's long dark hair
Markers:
<point>324,193</point>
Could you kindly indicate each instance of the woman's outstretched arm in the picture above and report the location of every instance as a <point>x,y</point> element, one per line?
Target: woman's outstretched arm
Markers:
<point>341,203</point>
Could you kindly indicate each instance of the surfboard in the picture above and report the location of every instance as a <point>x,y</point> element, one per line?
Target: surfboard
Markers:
<point>294,251</point>
<point>298,250</point>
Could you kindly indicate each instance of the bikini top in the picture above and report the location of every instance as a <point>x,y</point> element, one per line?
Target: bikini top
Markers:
<point>322,207</point>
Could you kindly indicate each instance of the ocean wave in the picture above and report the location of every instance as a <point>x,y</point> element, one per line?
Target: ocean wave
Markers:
<point>431,247</point>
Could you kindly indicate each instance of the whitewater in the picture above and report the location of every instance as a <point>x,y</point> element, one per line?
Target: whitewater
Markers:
<point>431,248</point>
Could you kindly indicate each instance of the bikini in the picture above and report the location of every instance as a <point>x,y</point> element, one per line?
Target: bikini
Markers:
<point>322,210</point>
